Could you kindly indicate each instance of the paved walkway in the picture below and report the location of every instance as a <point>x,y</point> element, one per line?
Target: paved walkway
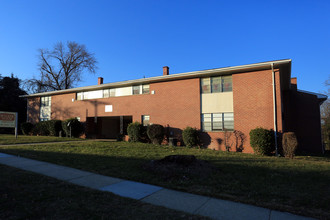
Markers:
<point>186,202</point>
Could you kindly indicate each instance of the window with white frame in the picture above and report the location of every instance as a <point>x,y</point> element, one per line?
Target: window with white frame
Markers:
<point>136,90</point>
<point>145,120</point>
<point>80,96</point>
<point>93,94</point>
<point>145,89</point>
<point>106,93</point>
<point>217,121</point>
<point>45,101</point>
<point>45,108</point>
<point>216,84</point>
<point>112,92</point>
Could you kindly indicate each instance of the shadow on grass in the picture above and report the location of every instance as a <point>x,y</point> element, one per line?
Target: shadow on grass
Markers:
<point>278,183</point>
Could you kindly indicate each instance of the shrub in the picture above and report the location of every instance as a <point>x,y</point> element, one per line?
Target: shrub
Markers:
<point>54,127</point>
<point>289,144</point>
<point>76,127</point>
<point>134,131</point>
<point>144,136</point>
<point>190,137</point>
<point>155,133</point>
<point>41,128</point>
<point>26,128</point>
<point>262,141</point>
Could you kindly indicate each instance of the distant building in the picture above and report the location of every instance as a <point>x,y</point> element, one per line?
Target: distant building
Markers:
<point>238,98</point>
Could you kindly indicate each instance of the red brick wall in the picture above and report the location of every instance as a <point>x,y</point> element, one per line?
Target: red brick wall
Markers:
<point>253,107</point>
<point>253,102</point>
<point>175,103</point>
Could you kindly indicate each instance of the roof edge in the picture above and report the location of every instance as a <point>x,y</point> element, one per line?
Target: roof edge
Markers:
<point>177,76</point>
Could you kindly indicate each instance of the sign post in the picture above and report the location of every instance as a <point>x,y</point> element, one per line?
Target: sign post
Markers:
<point>9,120</point>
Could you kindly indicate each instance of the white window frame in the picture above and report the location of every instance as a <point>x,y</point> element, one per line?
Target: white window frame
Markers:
<point>45,106</point>
<point>145,118</point>
<point>212,122</point>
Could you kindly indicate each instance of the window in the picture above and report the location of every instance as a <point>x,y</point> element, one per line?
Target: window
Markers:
<point>136,90</point>
<point>112,92</point>
<point>145,120</point>
<point>216,84</point>
<point>145,89</point>
<point>106,93</point>
<point>45,108</point>
<point>97,94</point>
<point>45,101</point>
<point>80,96</point>
<point>205,84</point>
<point>227,84</point>
<point>228,121</point>
<point>217,121</point>
<point>207,122</point>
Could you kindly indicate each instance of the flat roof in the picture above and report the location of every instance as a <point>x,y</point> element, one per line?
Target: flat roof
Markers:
<point>285,64</point>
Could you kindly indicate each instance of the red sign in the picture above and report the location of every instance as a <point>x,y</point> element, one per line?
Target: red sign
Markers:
<point>8,119</point>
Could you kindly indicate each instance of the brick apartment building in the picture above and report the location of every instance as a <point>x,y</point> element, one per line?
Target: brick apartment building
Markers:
<point>225,103</point>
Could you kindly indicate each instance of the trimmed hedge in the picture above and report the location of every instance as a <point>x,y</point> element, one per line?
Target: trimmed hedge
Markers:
<point>134,131</point>
<point>289,144</point>
<point>46,128</point>
<point>76,127</point>
<point>262,141</point>
<point>190,137</point>
<point>41,128</point>
<point>155,133</point>
<point>54,127</point>
<point>26,128</point>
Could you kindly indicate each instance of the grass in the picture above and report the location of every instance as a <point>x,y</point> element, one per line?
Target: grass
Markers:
<point>300,186</point>
<point>10,139</point>
<point>26,195</point>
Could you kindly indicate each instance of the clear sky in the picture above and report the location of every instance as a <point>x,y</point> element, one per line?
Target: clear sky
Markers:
<point>133,39</point>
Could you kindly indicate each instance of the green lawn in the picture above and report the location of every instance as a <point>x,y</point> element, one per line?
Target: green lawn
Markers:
<point>10,139</point>
<point>300,186</point>
<point>25,195</point>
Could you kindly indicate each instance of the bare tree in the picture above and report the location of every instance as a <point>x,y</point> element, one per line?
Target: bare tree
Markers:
<point>62,67</point>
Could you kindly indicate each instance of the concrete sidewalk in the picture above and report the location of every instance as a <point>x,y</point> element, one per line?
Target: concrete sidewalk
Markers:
<point>190,203</point>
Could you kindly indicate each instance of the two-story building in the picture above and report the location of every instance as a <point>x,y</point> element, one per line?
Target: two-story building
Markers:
<point>225,103</point>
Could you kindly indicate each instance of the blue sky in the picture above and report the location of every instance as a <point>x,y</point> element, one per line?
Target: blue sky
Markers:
<point>133,39</point>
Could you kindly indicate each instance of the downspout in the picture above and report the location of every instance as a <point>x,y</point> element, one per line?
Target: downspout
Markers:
<point>275,112</point>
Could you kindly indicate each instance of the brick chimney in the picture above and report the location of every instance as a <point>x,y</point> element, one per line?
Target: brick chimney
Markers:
<point>100,81</point>
<point>165,70</point>
<point>294,83</point>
